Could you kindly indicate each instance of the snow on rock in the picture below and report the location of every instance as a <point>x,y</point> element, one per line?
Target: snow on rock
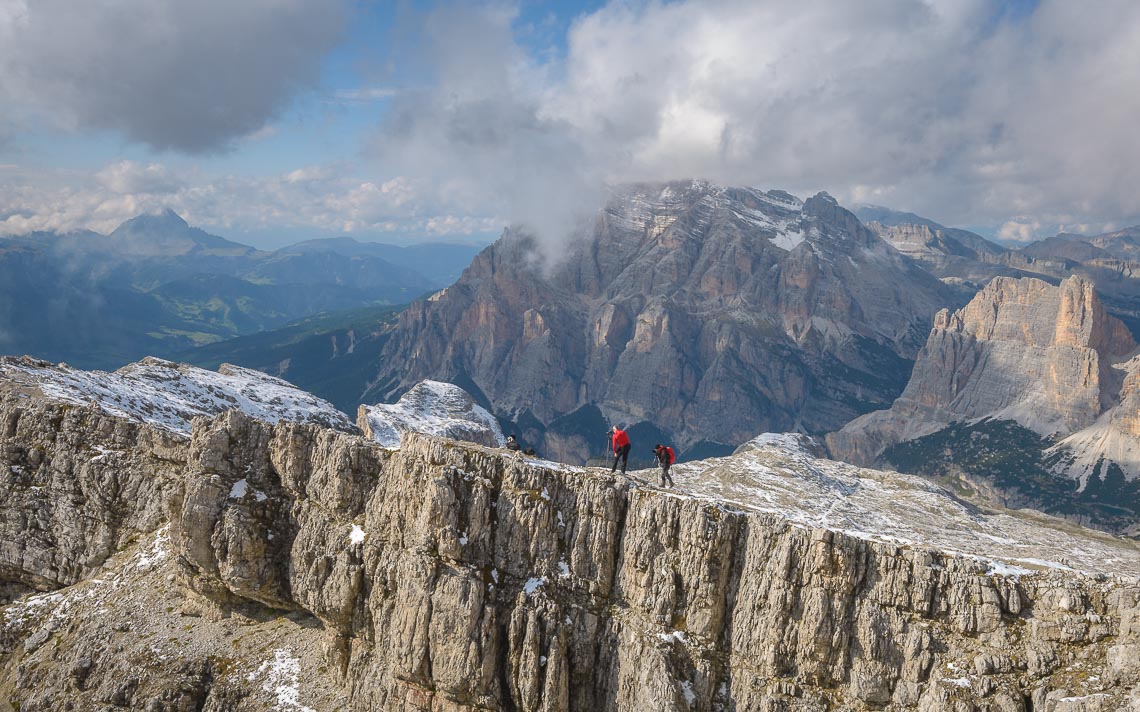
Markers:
<point>282,680</point>
<point>432,408</point>
<point>239,489</point>
<point>533,584</point>
<point>356,536</point>
<point>170,395</point>
<point>788,239</point>
<point>783,474</point>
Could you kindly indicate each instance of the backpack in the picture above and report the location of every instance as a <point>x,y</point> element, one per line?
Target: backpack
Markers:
<point>672,457</point>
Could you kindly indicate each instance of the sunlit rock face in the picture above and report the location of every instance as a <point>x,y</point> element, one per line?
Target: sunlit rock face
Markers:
<point>710,313</point>
<point>303,567</point>
<point>1049,357</point>
<point>1022,354</point>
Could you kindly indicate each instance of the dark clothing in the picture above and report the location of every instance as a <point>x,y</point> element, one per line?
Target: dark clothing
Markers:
<point>513,444</point>
<point>665,458</point>
<point>621,453</point>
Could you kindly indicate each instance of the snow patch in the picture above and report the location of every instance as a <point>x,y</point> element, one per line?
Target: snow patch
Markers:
<point>788,240</point>
<point>282,680</point>
<point>532,585</point>
<point>356,536</point>
<point>169,395</point>
<point>433,408</point>
<point>103,453</point>
<point>687,691</point>
<point>239,489</point>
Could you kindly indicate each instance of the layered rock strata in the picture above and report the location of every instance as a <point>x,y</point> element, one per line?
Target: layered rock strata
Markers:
<point>705,312</point>
<point>314,569</point>
<point>1021,350</point>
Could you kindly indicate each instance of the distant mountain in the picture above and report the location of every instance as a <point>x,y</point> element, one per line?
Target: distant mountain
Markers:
<point>157,286</point>
<point>168,235</point>
<point>698,313</point>
<point>1028,397</point>
<point>441,263</point>
<point>1065,247</point>
<point>966,261</point>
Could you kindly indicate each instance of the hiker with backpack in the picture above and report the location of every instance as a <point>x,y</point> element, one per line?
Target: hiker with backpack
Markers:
<point>665,458</point>
<point>619,441</point>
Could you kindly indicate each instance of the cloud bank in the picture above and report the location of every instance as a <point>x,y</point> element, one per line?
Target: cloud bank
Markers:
<point>961,111</point>
<point>186,76</point>
<point>330,200</point>
<point>1019,115</point>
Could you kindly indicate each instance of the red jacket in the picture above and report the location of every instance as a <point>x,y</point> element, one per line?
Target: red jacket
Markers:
<point>672,456</point>
<point>620,440</point>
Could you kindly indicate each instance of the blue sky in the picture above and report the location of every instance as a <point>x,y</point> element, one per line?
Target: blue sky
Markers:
<point>276,121</point>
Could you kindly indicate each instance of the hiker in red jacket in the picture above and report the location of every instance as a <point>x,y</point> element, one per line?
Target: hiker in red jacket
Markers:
<point>665,458</point>
<point>620,442</point>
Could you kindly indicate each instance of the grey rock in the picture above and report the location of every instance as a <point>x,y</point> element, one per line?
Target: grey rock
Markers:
<point>445,575</point>
<point>713,313</point>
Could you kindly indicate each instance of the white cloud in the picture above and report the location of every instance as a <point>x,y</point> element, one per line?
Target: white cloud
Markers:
<point>132,177</point>
<point>1019,231</point>
<point>329,199</point>
<point>189,76</point>
<point>938,107</point>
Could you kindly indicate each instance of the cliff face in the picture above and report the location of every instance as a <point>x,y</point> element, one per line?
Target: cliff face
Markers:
<point>710,313</point>
<point>305,568</point>
<point>1021,350</point>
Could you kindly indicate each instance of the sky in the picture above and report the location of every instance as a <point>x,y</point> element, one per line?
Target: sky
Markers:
<point>271,121</point>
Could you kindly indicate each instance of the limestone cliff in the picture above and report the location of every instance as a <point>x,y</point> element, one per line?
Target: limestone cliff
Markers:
<point>707,313</point>
<point>304,568</point>
<point>1021,350</point>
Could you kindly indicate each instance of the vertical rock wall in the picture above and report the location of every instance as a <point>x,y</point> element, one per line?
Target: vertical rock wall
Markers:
<point>452,577</point>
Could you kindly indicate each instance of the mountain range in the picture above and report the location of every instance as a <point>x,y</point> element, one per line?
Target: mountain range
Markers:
<point>699,315</point>
<point>156,286</point>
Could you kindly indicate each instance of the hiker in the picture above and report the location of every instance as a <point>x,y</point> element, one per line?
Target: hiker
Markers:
<point>620,442</point>
<point>529,452</point>
<point>665,458</point>
<point>512,444</point>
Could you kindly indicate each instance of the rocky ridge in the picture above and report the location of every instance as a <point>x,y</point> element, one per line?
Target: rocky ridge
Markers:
<point>169,395</point>
<point>306,568</point>
<point>704,312</point>
<point>434,408</point>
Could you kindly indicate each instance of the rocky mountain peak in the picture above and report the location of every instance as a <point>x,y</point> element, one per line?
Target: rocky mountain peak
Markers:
<point>166,234</point>
<point>1046,358</point>
<point>707,312</point>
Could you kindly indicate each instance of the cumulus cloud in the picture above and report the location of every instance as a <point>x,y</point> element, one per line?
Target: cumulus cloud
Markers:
<point>326,199</point>
<point>947,109</point>
<point>188,76</point>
